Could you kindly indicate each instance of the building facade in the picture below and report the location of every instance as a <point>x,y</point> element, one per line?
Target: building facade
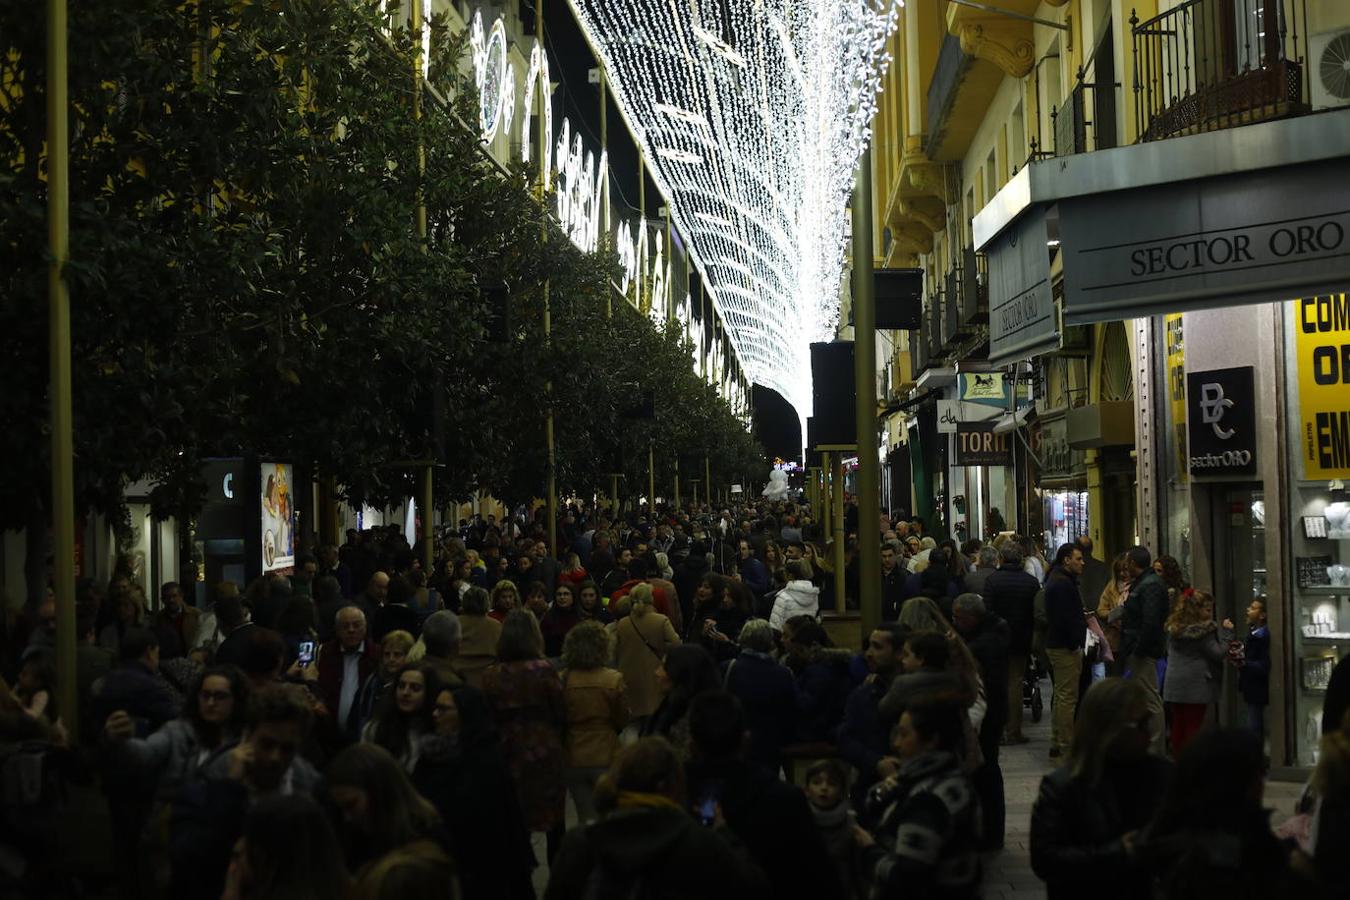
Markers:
<point>1139,213</point>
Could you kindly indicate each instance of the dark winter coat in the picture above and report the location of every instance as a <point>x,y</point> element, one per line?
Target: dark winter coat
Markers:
<point>988,643</point>
<point>472,790</point>
<point>1011,592</point>
<point>687,578</point>
<point>1076,829</point>
<point>1142,622</point>
<point>768,693</point>
<point>823,686</point>
<point>773,820</point>
<point>1063,612</point>
<point>663,851</point>
<point>143,693</point>
<point>863,739</point>
<point>1254,676</point>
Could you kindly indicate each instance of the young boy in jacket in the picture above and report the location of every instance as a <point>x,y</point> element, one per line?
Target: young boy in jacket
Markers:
<point>1252,657</point>
<point>827,791</point>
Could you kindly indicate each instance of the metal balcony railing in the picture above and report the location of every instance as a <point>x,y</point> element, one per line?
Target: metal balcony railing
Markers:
<point>1211,64</point>
<point>1086,120</point>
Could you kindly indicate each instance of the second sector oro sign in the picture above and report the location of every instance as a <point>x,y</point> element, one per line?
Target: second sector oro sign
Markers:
<point>977,444</point>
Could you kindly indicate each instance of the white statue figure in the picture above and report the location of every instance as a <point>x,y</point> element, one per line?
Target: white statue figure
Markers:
<point>777,488</point>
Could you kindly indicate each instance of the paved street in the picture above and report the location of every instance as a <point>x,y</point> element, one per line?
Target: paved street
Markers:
<point>1008,875</point>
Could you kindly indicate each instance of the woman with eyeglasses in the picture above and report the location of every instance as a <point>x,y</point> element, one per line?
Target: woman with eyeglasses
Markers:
<point>211,722</point>
<point>1086,822</point>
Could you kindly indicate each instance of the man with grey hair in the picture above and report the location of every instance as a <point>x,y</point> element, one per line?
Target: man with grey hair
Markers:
<point>345,663</point>
<point>441,635</point>
<point>986,634</point>
<point>767,690</point>
<point>1010,593</point>
<point>986,561</point>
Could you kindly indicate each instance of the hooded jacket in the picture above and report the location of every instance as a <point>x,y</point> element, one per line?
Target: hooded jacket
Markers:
<point>1195,656</point>
<point>797,598</point>
<point>662,849</point>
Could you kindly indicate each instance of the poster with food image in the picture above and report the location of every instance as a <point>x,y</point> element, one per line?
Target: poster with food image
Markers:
<point>279,517</point>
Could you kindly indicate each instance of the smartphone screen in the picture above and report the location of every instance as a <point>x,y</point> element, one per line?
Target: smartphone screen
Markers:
<point>306,652</point>
<point>706,808</point>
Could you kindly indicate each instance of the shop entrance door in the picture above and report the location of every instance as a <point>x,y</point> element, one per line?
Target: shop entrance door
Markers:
<point>1239,571</point>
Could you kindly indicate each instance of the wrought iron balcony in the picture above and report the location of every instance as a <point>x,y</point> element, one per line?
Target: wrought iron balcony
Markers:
<point>1206,65</point>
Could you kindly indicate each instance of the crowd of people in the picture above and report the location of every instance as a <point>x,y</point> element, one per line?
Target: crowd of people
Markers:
<point>362,727</point>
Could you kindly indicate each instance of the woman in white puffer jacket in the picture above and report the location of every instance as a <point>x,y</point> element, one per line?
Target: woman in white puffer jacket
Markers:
<point>799,597</point>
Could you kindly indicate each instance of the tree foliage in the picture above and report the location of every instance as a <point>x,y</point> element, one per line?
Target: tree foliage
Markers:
<point>246,274</point>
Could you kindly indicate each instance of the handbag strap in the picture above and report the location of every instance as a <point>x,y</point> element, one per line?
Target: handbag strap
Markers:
<point>643,638</point>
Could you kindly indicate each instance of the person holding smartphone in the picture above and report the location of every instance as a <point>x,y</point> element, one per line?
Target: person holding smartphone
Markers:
<point>209,813</point>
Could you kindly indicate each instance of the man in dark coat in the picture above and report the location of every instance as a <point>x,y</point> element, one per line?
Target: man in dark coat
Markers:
<point>689,576</point>
<point>1096,575</point>
<point>1064,638</point>
<point>1142,639</point>
<point>344,664</point>
<point>864,740</point>
<point>136,686</point>
<point>768,693</point>
<point>1010,593</point>
<point>986,634</point>
<point>892,585</point>
<point>769,816</point>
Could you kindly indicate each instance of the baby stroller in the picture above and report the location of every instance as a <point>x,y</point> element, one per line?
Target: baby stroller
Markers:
<point>1031,686</point>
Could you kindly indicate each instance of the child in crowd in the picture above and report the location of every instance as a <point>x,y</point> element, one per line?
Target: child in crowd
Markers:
<point>827,791</point>
<point>1252,657</point>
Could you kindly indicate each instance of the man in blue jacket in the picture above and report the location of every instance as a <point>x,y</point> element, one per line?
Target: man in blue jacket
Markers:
<point>1065,632</point>
<point>1142,639</point>
<point>864,741</point>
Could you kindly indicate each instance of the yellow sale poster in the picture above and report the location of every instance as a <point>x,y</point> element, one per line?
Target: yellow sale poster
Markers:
<point>1322,339</point>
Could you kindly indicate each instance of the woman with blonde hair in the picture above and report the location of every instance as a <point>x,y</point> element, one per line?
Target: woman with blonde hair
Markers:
<point>1111,606</point>
<point>596,698</point>
<point>505,597</point>
<point>1087,818</point>
<point>1196,649</point>
<point>641,640</point>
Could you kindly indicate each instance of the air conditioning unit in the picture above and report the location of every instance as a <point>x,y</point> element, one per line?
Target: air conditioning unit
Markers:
<point>1329,75</point>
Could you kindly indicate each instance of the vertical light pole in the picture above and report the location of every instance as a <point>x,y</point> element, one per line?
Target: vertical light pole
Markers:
<point>837,501</point>
<point>427,532</point>
<point>865,377</point>
<point>58,298</point>
<point>605,229</point>
<point>548,316</point>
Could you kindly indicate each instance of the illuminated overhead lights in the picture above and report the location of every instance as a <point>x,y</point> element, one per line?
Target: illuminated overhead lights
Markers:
<point>714,220</point>
<point>681,115</point>
<point>777,137</point>
<point>679,156</point>
<point>719,46</point>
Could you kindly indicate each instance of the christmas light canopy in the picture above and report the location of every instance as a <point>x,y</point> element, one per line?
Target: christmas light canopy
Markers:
<point>752,116</point>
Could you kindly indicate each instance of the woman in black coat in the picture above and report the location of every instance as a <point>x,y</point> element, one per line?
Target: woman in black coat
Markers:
<point>646,844</point>
<point>460,770</point>
<point>1086,823</point>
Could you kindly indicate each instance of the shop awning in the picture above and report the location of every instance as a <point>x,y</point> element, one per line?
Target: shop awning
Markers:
<point>1246,215</point>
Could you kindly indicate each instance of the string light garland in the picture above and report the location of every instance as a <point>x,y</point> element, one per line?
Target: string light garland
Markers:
<point>752,116</point>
